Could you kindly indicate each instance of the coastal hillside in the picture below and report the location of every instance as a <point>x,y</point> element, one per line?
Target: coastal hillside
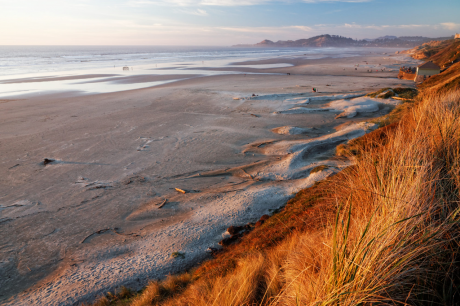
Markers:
<point>445,54</point>
<point>340,41</point>
<point>440,52</point>
<point>317,41</point>
<point>383,231</point>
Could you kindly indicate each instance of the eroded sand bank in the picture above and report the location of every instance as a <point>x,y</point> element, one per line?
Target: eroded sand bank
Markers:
<point>89,221</point>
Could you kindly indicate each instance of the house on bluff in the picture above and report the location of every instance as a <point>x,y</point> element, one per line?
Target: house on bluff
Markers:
<point>428,69</point>
<point>457,36</point>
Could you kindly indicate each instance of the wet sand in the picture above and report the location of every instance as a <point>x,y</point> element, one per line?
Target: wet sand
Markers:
<point>90,221</point>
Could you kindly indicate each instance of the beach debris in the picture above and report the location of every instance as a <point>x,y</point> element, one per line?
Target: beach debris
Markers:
<point>178,255</point>
<point>180,190</point>
<point>254,115</point>
<point>17,165</point>
<point>48,161</point>
<point>236,98</point>
<point>162,203</point>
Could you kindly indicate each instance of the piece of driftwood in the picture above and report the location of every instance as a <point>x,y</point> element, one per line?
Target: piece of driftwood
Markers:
<point>398,98</point>
<point>163,204</point>
<point>180,190</point>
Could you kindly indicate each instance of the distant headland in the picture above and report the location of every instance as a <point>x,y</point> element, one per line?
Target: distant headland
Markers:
<point>340,41</point>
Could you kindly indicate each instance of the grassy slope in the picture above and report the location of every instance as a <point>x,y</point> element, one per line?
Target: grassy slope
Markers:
<point>449,53</point>
<point>383,231</point>
<point>440,52</point>
<point>445,81</point>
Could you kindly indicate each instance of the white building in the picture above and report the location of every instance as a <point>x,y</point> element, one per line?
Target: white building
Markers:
<point>428,69</point>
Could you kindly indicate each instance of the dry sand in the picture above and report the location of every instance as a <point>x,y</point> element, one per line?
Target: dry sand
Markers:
<point>89,221</point>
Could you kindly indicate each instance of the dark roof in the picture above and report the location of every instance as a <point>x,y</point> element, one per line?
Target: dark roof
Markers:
<point>429,65</point>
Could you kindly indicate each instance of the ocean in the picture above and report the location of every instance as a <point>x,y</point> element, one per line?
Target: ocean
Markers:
<point>19,60</point>
<point>30,70</point>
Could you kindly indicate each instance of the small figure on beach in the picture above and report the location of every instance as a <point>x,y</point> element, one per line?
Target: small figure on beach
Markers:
<point>314,89</point>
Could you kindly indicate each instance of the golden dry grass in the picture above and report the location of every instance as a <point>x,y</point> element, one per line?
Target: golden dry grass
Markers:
<point>393,240</point>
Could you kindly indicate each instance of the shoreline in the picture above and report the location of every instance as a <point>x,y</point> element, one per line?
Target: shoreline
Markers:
<point>105,80</point>
<point>223,121</point>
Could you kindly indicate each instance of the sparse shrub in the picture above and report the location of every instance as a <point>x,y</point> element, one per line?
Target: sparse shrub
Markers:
<point>390,93</point>
<point>406,93</point>
<point>378,92</point>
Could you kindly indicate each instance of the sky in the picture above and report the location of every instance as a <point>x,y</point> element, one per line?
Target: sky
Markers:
<point>218,22</point>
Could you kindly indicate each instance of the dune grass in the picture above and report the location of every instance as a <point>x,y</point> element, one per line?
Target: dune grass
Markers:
<point>390,237</point>
<point>384,231</point>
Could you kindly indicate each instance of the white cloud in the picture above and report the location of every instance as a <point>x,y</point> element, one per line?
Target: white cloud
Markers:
<point>451,26</point>
<point>302,28</point>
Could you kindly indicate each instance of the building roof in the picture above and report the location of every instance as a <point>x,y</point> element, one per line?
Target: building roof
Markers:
<point>429,65</point>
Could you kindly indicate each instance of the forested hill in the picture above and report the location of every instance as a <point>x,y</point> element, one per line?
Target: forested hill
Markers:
<point>340,41</point>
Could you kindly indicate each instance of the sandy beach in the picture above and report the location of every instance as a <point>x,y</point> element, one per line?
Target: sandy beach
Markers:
<point>240,145</point>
